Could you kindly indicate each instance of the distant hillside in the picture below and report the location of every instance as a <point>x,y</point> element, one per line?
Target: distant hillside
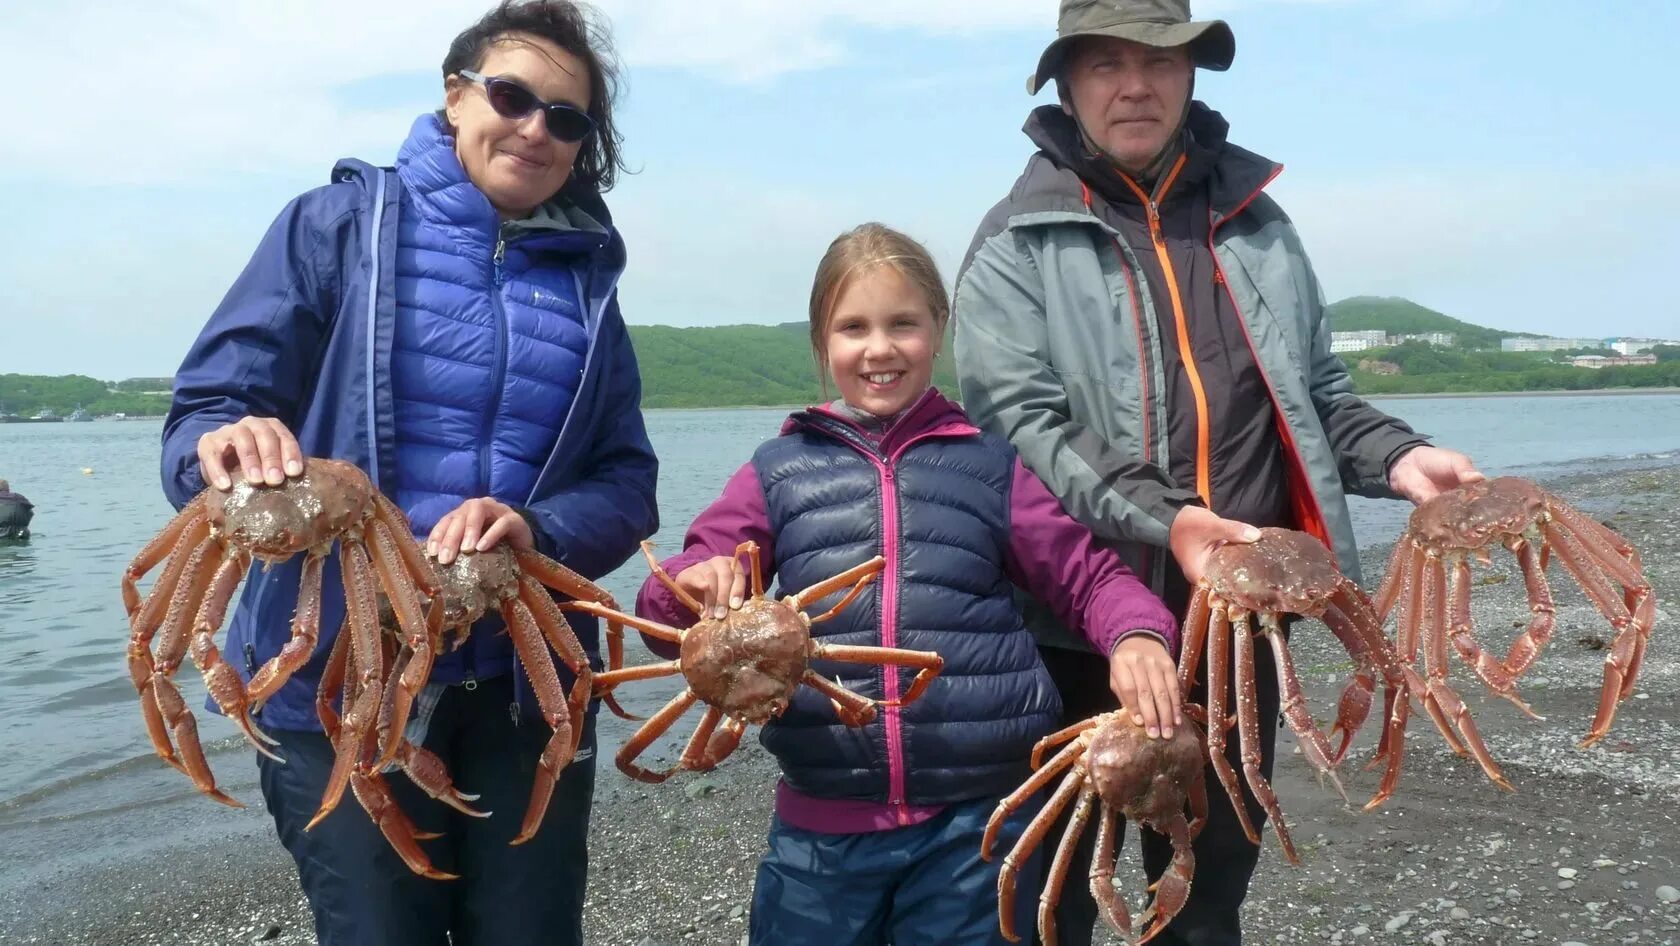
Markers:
<point>1405,317</point>
<point>735,366</point>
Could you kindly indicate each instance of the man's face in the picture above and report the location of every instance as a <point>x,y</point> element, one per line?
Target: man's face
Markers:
<point>1128,96</point>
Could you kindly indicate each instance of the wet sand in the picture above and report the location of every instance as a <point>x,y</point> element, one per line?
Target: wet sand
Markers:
<point>1585,851</point>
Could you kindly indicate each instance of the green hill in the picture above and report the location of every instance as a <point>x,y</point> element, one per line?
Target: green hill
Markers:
<point>736,366</point>
<point>1405,317</point>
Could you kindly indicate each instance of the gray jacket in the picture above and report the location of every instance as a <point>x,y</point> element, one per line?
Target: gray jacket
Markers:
<point>1058,341</point>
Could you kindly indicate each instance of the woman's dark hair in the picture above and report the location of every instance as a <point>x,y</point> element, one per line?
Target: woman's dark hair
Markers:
<point>578,30</point>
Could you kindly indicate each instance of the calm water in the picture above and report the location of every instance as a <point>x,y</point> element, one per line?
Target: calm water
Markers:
<point>67,710</point>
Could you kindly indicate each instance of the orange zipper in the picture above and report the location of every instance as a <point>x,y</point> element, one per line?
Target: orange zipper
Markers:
<point>1204,475</point>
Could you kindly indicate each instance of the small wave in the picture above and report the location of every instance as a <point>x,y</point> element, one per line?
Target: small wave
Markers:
<point>130,764</point>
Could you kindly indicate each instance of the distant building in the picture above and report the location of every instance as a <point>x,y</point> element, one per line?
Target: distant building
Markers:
<point>1358,341</point>
<point>1441,339</point>
<point>1633,346</point>
<point>1548,344</point>
<point>1605,361</point>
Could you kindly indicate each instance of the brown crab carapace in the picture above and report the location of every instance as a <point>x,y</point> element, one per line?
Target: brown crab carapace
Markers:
<point>1284,572</point>
<point>1428,583</point>
<point>378,679</point>
<point>206,551</point>
<point>1114,766</point>
<point>746,665</point>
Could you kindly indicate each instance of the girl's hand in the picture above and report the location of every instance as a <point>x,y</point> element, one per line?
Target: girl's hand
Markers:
<point>1142,674</point>
<point>477,525</point>
<point>714,582</point>
<point>261,446</point>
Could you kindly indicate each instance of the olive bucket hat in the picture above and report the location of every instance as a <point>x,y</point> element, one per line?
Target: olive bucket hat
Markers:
<point>1151,22</point>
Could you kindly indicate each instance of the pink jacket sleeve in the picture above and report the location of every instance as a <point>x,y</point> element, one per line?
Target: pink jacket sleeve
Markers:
<point>1056,560</point>
<point>737,516</point>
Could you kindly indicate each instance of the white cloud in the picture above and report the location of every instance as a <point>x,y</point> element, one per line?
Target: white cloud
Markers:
<point>187,86</point>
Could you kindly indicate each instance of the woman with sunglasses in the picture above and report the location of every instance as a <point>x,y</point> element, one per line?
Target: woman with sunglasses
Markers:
<point>451,326</point>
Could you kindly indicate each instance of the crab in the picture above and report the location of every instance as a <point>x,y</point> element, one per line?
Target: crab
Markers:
<point>1288,572</point>
<point>378,680</point>
<point>1428,581</point>
<point>1111,764</point>
<point>745,666</point>
<point>206,551</point>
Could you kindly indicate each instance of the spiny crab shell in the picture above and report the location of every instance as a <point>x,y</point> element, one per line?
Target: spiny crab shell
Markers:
<point>274,523</point>
<point>475,582</point>
<point>1283,572</point>
<point>1144,778</point>
<point>749,663</point>
<point>1477,515</point>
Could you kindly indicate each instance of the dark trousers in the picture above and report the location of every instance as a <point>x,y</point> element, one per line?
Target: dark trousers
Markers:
<point>361,892</point>
<point>922,884</point>
<point>1225,859</point>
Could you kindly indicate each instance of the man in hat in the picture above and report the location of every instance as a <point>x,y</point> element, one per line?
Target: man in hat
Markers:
<point>1139,318</point>
<point>15,513</point>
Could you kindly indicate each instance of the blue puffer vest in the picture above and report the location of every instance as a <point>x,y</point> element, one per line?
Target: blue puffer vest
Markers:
<point>937,509</point>
<point>487,352</point>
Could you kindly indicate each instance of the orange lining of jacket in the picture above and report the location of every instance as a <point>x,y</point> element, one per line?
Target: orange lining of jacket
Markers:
<point>1204,464</point>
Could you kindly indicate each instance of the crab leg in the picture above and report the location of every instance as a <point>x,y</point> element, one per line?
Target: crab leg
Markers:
<point>1442,702</point>
<point>857,578</point>
<point>529,643</point>
<point>689,601</point>
<point>418,637</point>
<point>1621,560</point>
<point>548,572</point>
<point>1194,640</point>
<point>165,543</point>
<point>1015,799</point>
<point>929,663</point>
<point>1112,905</point>
<point>853,709</point>
<point>144,627</point>
<point>1061,736</point>
<point>1173,889</point>
<point>425,769</point>
<point>1219,672</point>
<point>306,631</point>
<point>1248,731</point>
<point>565,642</point>
<point>1526,648</point>
<point>612,678</point>
<point>375,797</point>
<point>1432,612</point>
<point>1313,744</point>
<point>332,681</point>
<point>1030,839</point>
<point>644,737</point>
<point>1491,671</point>
<point>220,679</point>
<point>368,659</point>
<point>1631,629</point>
<point>754,567</point>
<point>1352,620</point>
<point>1057,875</point>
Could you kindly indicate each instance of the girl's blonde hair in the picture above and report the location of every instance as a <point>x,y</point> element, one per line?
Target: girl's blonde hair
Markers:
<point>858,249</point>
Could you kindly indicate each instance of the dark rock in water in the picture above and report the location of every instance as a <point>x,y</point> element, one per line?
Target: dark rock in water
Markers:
<point>273,932</point>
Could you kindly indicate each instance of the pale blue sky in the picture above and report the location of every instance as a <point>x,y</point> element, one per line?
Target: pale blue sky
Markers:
<point>1509,163</point>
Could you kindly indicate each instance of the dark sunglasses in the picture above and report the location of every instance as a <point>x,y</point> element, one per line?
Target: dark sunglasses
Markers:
<point>513,101</point>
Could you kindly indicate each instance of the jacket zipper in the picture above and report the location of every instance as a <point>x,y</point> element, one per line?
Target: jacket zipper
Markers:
<point>498,367</point>
<point>885,467</point>
<point>1204,474</point>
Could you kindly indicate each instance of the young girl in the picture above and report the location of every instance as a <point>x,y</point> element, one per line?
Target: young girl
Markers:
<point>876,835</point>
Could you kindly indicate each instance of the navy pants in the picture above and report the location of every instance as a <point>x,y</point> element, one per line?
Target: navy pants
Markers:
<point>1225,860</point>
<point>361,892</point>
<point>921,884</point>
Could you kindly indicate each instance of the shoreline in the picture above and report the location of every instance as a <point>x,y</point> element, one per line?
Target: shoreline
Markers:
<point>1450,859</point>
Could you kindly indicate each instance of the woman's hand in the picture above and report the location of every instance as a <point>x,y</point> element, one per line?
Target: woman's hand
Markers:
<point>261,446</point>
<point>1142,674</point>
<point>713,582</point>
<point>477,525</point>
<point>1423,473</point>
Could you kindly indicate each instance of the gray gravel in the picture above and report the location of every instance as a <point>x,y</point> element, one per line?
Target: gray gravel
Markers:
<point>1586,851</point>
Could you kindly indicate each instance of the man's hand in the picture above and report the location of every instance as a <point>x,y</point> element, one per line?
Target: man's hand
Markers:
<point>476,526</point>
<point>1196,532</point>
<point>1422,473</point>
<point>713,582</point>
<point>261,446</point>
<point>1144,678</point>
